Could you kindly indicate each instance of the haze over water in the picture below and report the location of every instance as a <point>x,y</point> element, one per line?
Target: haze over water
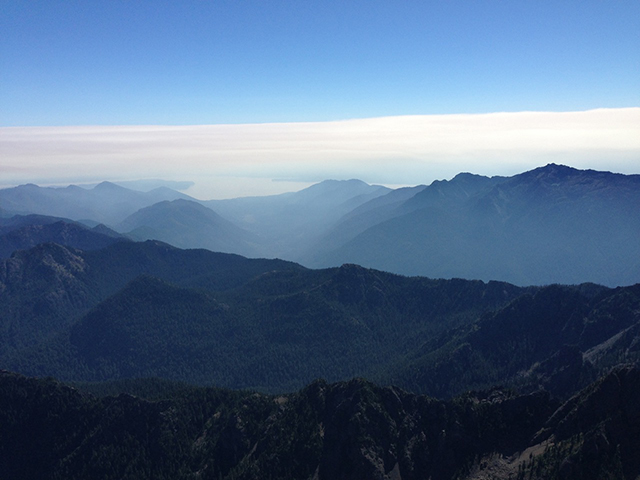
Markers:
<point>254,98</point>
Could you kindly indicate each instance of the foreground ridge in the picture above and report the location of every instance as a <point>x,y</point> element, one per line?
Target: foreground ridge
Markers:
<point>346,430</point>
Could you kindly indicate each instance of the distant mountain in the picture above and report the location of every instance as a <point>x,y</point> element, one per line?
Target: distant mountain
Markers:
<point>188,224</point>
<point>289,222</point>
<point>440,195</point>
<point>24,232</point>
<point>349,430</point>
<point>146,185</point>
<point>105,203</point>
<point>554,224</point>
<point>272,226</point>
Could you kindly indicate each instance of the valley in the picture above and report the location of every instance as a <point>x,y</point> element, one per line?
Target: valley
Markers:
<point>534,228</point>
<point>174,316</point>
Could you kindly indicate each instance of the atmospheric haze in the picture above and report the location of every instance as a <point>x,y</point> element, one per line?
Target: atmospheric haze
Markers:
<point>226,161</point>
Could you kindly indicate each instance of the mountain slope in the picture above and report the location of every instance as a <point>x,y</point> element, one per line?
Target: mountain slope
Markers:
<point>357,221</point>
<point>349,430</point>
<point>41,290</point>
<point>557,338</point>
<point>150,320</point>
<point>554,224</point>
<point>276,333</point>
<point>442,196</point>
<point>276,326</point>
<point>187,224</point>
<point>44,289</point>
<point>26,232</point>
<point>289,222</point>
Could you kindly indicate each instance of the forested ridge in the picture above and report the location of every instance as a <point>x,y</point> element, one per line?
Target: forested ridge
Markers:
<point>345,430</point>
<point>151,310</point>
<point>193,364</point>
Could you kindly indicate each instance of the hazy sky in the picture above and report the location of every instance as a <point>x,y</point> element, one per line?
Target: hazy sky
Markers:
<point>280,85</point>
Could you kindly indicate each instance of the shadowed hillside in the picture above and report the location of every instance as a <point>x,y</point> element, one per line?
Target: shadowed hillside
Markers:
<point>348,430</point>
<point>24,232</point>
<point>212,318</point>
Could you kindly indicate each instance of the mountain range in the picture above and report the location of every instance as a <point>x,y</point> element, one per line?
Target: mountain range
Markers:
<point>289,223</point>
<point>554,224</point>
<point>105,203</point>
<point>465,378</point>
<point>151,310</point>
<point>348,430</point>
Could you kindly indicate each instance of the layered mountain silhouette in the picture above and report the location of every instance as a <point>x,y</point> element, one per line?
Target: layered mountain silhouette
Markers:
<point>537,382</point>
<point>290,222</point>
<point>267,330</point>
<point>106,203</point>
<point>554,224</point>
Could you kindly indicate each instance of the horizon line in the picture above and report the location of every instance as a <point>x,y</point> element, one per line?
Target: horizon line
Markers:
<point>313,122</point>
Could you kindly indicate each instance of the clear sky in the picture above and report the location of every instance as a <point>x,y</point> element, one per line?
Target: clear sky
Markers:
<point>114,63</point>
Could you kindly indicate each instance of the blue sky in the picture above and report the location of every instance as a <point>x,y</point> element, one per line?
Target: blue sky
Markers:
<point>208,62</point>
<point>114,63</point>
